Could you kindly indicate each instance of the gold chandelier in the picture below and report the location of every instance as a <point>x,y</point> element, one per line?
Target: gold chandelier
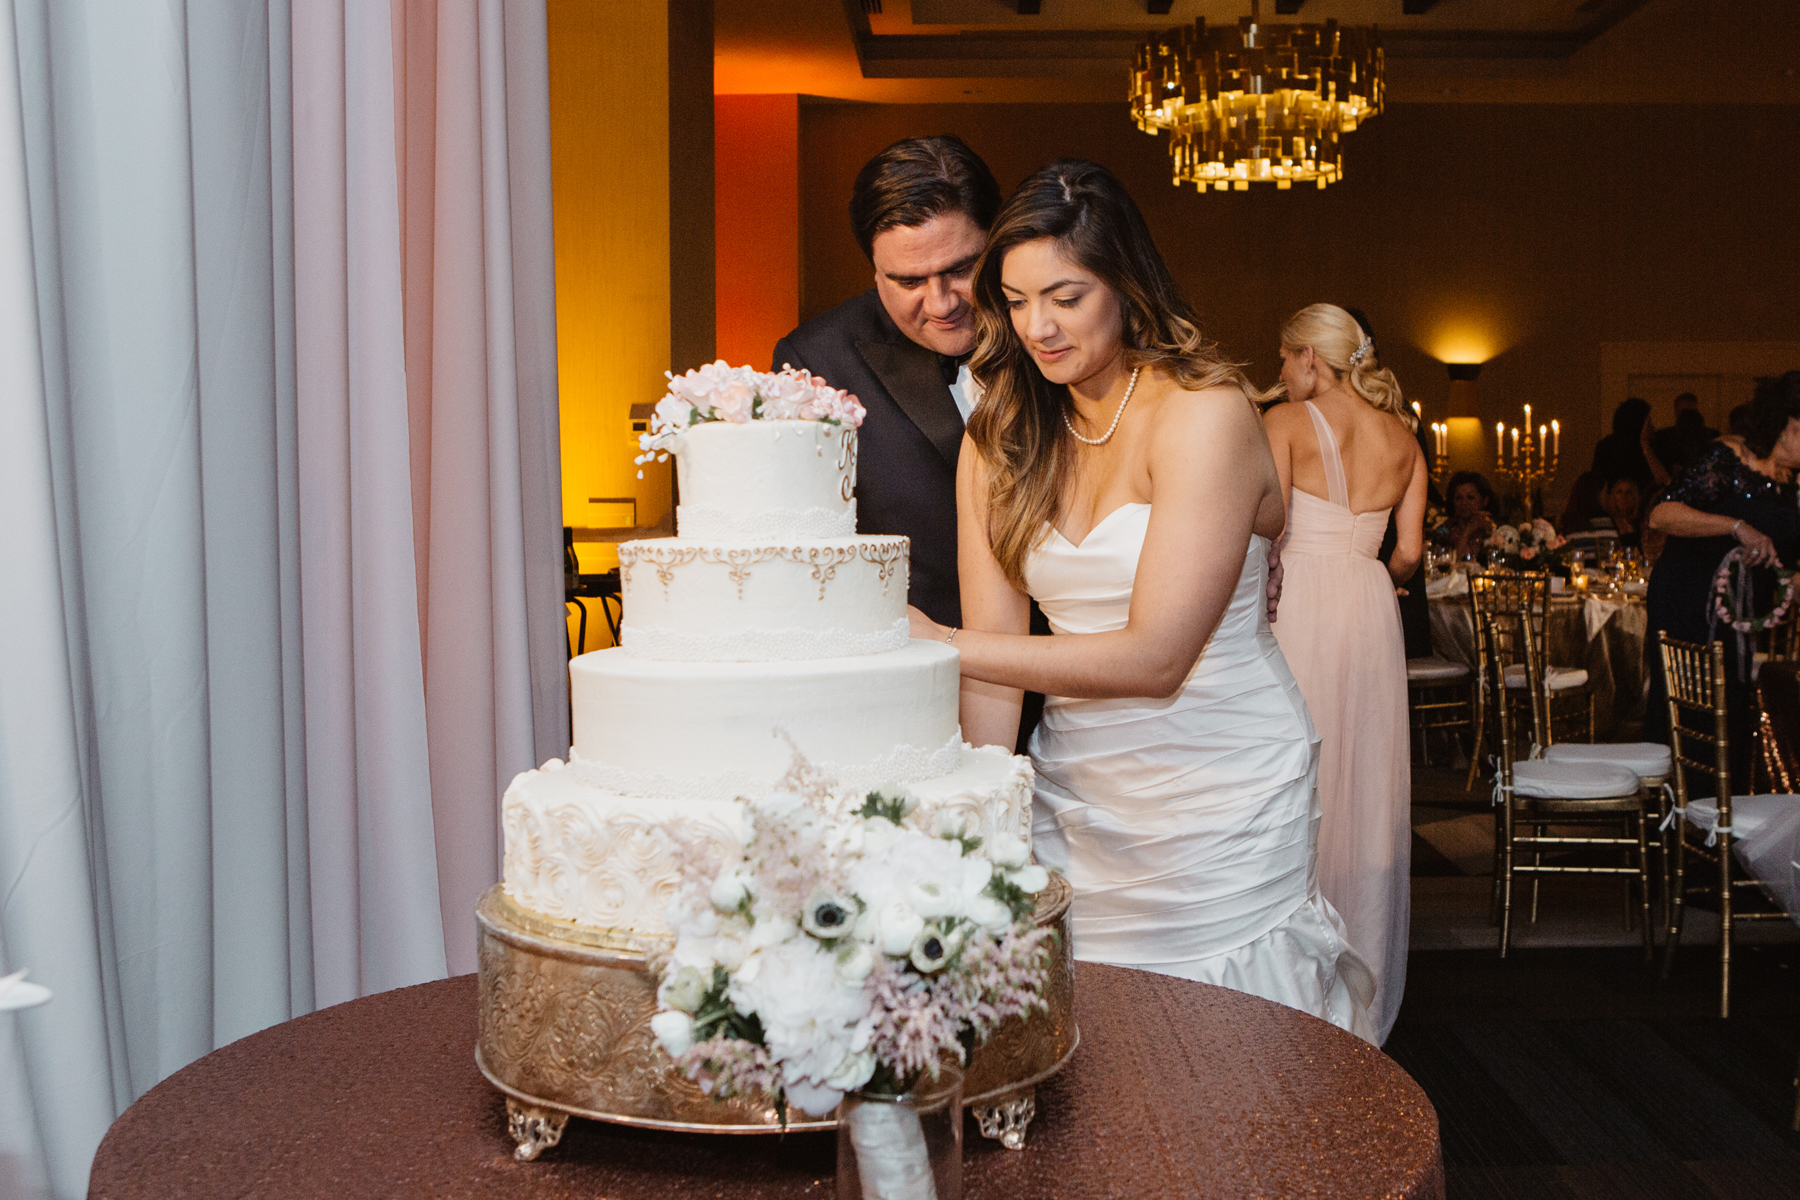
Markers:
<point>1256,103</point>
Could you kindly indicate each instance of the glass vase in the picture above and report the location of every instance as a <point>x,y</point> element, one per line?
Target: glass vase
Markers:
<point>905,1147</point>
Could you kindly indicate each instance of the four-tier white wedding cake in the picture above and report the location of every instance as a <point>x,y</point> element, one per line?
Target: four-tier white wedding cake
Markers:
<point>766,627</point>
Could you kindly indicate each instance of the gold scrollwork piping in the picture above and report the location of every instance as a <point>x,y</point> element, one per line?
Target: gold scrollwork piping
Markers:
<point>886,556</point>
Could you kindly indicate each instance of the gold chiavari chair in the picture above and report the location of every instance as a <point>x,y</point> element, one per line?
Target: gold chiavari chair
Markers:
<point>1563,691</point>
<point>1538,798</point>
<point>1440,694</point>
<point>1695,675</point>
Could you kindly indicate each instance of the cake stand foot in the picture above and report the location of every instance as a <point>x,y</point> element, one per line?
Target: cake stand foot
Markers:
<point>1007,1120</point>
<point>534,1129</point>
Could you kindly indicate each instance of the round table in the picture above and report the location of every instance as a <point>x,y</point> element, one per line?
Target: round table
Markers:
<point>1179,1088</point>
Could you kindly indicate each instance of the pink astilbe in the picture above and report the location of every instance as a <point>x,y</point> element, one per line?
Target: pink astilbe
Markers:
<point>728,1066</point>
<point>916,1019</point>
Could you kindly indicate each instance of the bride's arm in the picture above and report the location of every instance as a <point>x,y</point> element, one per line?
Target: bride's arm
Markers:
<point>990,604</point>
<point>1213,482</point>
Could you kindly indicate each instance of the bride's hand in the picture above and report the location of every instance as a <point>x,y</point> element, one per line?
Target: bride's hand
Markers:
<point>924,627</point>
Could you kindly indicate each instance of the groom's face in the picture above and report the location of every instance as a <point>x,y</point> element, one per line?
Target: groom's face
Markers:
<point>923,274</point>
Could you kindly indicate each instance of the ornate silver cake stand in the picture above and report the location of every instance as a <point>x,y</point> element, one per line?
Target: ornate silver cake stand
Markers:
<point>565,1031</point>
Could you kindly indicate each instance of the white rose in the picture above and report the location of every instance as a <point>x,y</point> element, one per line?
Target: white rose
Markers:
<point>1030,879</point>
<point>675,1030</point>
<point>1007,851</point>
<point>900,924</point>
<point>729,891</point>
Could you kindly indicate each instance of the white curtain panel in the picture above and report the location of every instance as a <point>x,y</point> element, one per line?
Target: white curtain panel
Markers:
<point>217,742</point>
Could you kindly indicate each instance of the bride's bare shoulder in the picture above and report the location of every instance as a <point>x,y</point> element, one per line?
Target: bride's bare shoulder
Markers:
<point>1209,411</point>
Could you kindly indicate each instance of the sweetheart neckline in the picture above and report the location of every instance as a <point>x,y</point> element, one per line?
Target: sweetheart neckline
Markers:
<point>1087,537</point>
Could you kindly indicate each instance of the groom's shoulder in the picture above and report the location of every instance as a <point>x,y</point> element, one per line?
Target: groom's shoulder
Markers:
<point>837,330</point>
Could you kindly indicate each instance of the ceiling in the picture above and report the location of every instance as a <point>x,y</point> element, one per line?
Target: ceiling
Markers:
<point>1454,51</point>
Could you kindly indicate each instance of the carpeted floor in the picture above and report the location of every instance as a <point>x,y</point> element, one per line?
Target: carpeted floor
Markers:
<point>1571,1069</point>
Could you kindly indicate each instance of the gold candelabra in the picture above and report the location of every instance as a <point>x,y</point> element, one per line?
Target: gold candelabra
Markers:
<point>1531,462</point>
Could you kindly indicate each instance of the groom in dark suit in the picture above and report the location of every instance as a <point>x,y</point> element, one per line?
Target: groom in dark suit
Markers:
<point>921,211</point>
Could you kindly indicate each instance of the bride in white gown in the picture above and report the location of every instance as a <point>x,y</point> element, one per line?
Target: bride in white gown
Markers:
<point>1116,472</point>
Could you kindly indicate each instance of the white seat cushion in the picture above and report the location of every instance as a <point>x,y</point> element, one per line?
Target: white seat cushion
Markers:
<point>1561,679</point>
<point>1748,813</point>
<point>1651,760</point>
<point>1573,781</point>
<point>1435,670</point>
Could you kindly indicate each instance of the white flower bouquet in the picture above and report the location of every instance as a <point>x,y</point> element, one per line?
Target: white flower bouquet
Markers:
<point>847,952</point>
<point>718,392</point>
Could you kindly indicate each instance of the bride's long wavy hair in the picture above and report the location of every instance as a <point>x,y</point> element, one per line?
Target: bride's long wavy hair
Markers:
<point>1018,428</point>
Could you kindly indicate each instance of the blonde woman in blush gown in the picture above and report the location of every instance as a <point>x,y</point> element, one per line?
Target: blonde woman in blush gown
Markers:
<point>1116,472</point>
<point>1347,456</point>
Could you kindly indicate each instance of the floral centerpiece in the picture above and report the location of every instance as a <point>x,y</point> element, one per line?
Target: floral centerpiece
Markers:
<point>848,950</point>
<point>1529,546</point>
<point>719,392</point>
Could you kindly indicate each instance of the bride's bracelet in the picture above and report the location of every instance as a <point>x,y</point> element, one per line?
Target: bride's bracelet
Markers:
<point>953,632</point>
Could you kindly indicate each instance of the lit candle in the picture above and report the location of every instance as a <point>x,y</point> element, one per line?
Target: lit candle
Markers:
<point>1556,439</point>
<point>1499,443</point>
<point>1515,434</point>
<point>1417,411</point>
<point>1528,421</point>
<point>1541,442</point>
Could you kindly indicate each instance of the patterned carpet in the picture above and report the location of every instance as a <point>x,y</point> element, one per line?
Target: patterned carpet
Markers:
<point>1570,1069</point>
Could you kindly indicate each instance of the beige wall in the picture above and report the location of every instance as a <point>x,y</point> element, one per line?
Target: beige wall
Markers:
<point>1535,232</point>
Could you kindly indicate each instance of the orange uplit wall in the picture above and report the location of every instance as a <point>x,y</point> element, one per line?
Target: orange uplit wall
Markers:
<point>609,120</point>
<point>756,157</point>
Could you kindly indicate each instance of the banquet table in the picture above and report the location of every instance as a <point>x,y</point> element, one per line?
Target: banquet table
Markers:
<point>1179,1088</point>
<point>1604,635</point>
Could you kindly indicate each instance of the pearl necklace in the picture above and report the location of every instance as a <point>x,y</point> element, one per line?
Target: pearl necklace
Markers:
<point>1107,436</point>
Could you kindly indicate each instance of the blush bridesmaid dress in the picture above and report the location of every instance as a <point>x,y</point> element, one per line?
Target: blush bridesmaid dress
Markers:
<point>1339,628</point>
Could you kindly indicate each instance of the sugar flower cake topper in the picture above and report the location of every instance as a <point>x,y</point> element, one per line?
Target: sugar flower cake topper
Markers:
<point>719,392</point>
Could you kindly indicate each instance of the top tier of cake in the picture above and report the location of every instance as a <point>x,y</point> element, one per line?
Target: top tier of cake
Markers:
<point>766,481</point>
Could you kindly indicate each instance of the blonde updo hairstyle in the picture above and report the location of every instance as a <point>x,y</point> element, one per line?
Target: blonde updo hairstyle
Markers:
<point>1335,338</point>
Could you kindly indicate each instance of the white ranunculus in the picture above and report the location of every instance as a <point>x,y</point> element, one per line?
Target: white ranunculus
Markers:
<point>1007,851</point>
<point>990,914</point>
<point>885,874</point>
<point>932,898</point>
<point>685,989</point>
<point>853,1071</point>
<point>1030,879</point>
<point>900,924</point>
<point>854,961</point>
<point>675,1030</point>
<point>729,891</point>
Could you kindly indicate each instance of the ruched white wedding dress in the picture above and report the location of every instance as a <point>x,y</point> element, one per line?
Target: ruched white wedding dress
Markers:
<point>1187,825</point>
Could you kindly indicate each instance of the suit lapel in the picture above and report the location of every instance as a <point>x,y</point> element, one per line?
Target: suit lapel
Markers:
<point>910,374</point>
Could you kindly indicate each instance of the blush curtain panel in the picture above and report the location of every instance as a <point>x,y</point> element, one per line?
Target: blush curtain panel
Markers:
<point>279,617</point>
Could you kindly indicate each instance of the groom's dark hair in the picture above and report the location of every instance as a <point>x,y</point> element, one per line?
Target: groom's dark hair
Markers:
<point>917,179</point>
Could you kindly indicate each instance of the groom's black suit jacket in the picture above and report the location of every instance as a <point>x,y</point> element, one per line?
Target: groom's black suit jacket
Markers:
<point>909,441</point>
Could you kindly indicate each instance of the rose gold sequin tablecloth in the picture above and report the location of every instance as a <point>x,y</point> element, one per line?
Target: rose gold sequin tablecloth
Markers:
<point>1179,1089</point>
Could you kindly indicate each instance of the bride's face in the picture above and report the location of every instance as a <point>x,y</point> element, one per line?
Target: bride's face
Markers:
<point>1071,322</point>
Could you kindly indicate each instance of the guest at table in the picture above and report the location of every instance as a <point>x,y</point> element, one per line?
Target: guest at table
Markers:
<point>1584,503</point>
<point>1734,495</point>
<point>1623,503</point>
<point>1472,508</point>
